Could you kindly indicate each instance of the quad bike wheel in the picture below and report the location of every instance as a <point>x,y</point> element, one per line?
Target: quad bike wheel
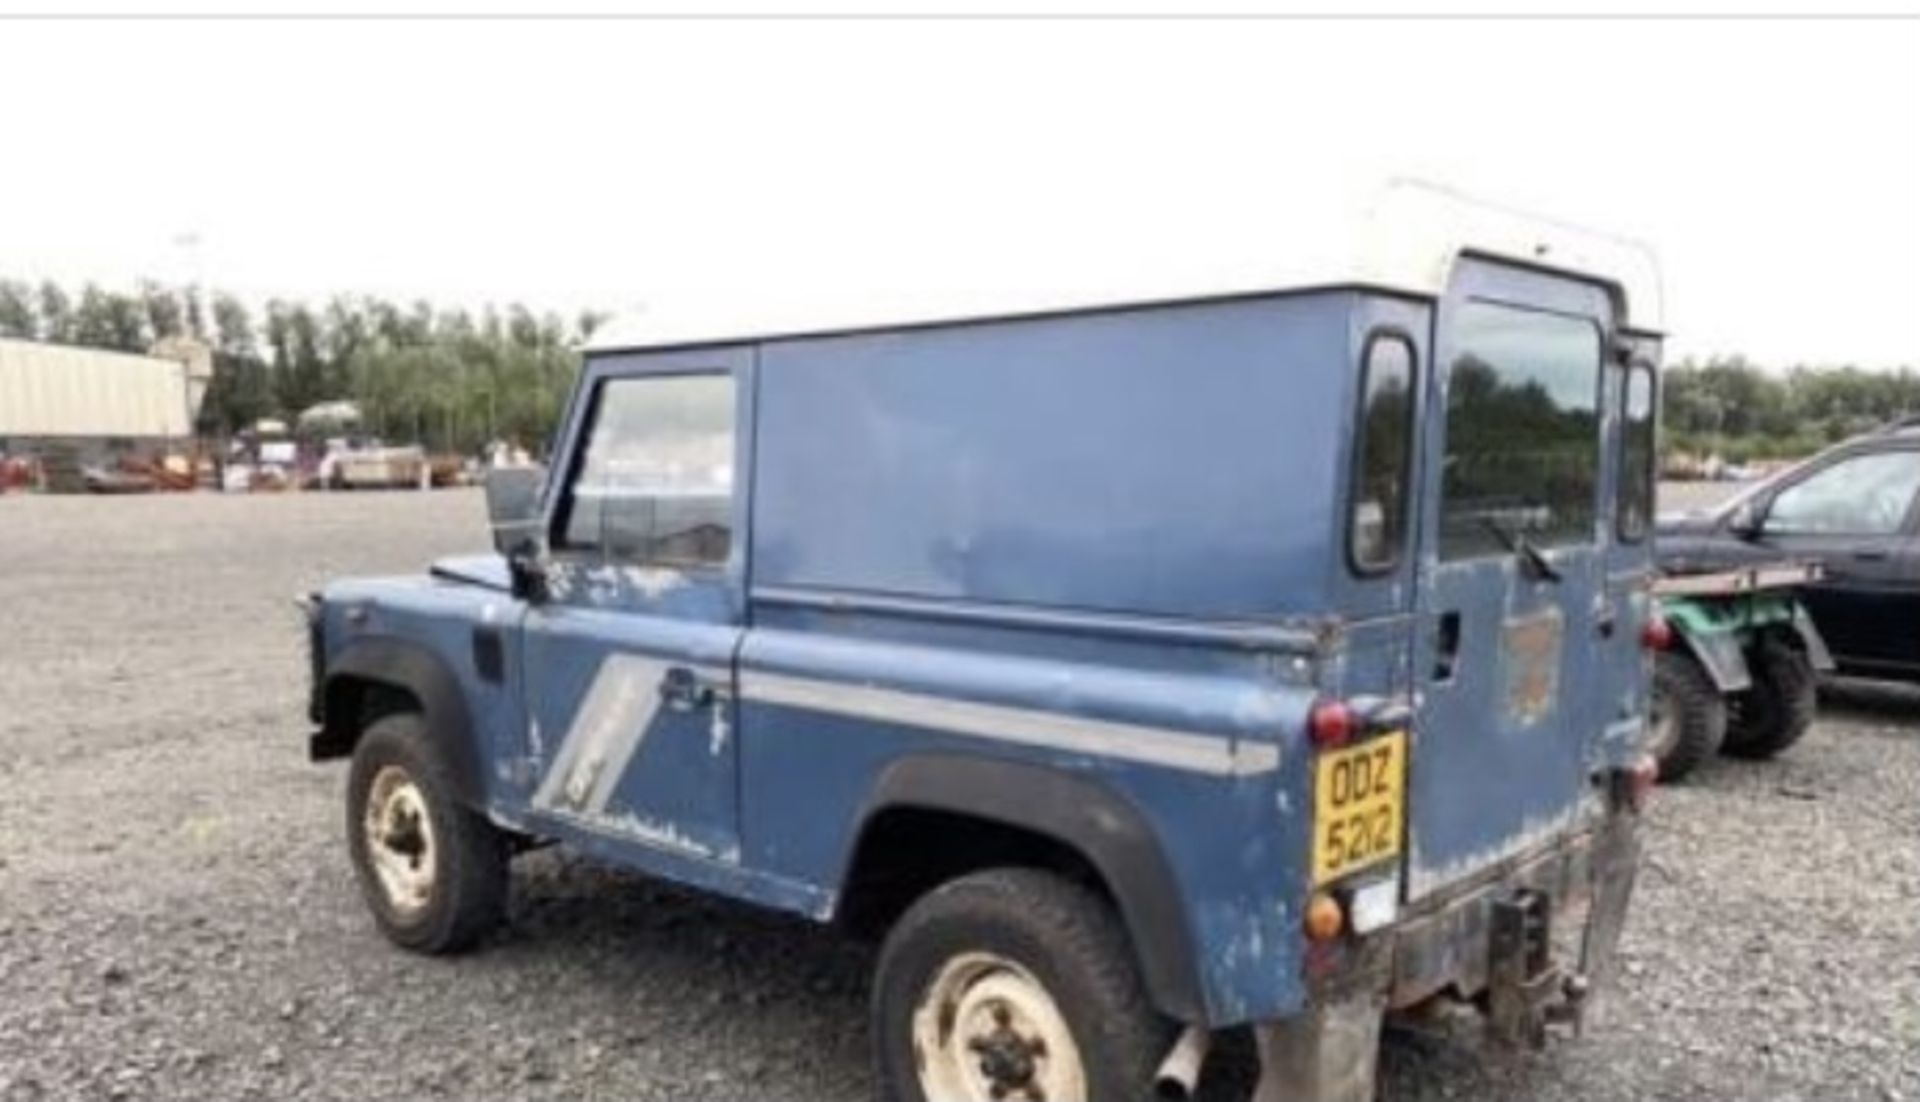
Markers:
<point>1778,709</point>
<point>1689,716</point>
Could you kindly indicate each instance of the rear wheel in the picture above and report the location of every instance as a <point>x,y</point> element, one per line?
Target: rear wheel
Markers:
<point>1012,984</point>
<point>434,873</point>
<point>1778,709</point>
<point>1689,717</point>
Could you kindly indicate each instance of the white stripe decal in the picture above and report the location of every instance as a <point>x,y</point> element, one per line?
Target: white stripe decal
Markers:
<point>1216,755</point>
<point>606,733</point>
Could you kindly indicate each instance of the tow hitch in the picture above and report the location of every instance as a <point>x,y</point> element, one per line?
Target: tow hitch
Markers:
<point>1526,990</point>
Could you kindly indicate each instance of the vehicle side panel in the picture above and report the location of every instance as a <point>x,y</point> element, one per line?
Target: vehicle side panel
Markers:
<point>1006,486</point>
<point>1176,460</point>
<point>1209,759</point>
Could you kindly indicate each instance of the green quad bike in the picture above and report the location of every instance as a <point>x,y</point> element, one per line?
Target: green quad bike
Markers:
<point>1739,673</point>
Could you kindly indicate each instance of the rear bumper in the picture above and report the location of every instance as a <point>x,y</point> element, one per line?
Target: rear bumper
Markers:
<point>1467,942</point>
<point>1447,943</point>
<point>1493,937</point>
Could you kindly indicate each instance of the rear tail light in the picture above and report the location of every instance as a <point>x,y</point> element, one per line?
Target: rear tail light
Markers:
<point>1656,633</point>
<point>1331,723</point>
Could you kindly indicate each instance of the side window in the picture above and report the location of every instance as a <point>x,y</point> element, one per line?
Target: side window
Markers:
<point>1866,495</point>
<point>1633,507</point>
<point>1377,524</point>
<point>655,485</point>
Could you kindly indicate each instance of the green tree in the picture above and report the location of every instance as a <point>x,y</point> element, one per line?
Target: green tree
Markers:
<point>56,314</point>
<point>450,378</point>
<point>242,391</point>
<point>107,320</point>
<point>165,312</point>
<point>17,316</point>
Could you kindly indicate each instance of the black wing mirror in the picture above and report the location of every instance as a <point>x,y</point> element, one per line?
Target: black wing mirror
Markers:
<point>1747,519</point>
<point>513,512</point>
<point>513,506</point>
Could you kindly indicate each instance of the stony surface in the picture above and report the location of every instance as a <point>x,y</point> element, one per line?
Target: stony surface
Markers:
<point>178,919</point>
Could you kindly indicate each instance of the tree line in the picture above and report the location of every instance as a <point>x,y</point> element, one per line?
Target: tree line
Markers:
<point>1742,411</point>
<point>450,379</point>
<point>453,379</point>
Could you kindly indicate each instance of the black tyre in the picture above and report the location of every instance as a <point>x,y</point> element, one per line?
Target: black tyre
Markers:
<point>1778,709</point>
<point>1013,983</point>
<point>434,873</point>
<point>1689,716</point>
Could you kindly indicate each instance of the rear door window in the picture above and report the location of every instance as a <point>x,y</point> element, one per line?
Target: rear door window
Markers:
<point>1523,431</point>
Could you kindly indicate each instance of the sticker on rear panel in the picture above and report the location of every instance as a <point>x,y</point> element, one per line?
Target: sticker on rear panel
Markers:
<point>1530,654</point>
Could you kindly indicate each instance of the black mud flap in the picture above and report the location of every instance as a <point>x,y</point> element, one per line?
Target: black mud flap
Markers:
<point>1616,863</point>
<point>1329,1053</point>
<point>1720,653</point>
<point>1811,639</point>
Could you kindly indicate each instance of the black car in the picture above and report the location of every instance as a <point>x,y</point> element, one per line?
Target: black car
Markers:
<point>1855,509</point>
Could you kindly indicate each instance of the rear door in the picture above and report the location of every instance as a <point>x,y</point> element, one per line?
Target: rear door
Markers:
<point>1513,541</point>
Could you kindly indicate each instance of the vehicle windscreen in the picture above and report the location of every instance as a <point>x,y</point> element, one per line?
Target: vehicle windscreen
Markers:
<point>1523,436</point>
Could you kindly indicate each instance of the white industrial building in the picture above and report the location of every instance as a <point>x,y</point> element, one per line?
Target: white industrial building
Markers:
<point>94,399</point>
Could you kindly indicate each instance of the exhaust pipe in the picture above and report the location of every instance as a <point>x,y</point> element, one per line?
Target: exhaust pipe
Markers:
<point>1179,1073</point>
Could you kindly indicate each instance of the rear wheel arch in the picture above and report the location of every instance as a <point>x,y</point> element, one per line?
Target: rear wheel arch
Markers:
<point>373,678</point>
<point>933,818</point>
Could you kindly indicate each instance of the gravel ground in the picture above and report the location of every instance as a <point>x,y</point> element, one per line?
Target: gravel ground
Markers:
<point>178,918</point>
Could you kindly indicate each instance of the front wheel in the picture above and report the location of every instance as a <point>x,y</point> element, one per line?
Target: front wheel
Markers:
<point>1012,984</point>
<point>1778,709</point>
<point>434,873</point>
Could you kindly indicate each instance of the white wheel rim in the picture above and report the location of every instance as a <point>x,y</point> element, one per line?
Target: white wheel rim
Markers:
<point>985,1030</point>
<point>400,842</point>
<point>1663,729</point>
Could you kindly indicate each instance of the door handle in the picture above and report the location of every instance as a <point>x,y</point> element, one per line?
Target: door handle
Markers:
<point>1870,556</point>
<point>683,690</point>
<point>1446,645</point>
<point>1604,620</point>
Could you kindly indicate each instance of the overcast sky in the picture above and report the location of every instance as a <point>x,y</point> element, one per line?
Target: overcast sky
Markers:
<point>1774,167</point>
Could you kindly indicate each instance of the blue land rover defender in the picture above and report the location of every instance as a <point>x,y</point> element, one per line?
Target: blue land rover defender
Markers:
<point>1135,665</point>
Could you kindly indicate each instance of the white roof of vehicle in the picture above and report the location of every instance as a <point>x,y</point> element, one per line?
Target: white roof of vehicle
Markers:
<point>1403,237</point>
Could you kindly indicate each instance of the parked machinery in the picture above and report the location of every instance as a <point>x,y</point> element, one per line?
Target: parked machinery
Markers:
<point>1737,674</point>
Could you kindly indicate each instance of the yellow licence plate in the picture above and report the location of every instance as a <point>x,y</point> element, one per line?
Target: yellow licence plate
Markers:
<point>1358,802</point>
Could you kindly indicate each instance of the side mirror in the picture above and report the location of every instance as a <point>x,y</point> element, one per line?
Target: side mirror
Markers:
<point>1746,518</point>
<point>513,507</point>
<point>513,512</point>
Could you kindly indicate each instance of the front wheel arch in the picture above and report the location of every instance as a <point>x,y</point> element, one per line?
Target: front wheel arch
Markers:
<point>375,677</point>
